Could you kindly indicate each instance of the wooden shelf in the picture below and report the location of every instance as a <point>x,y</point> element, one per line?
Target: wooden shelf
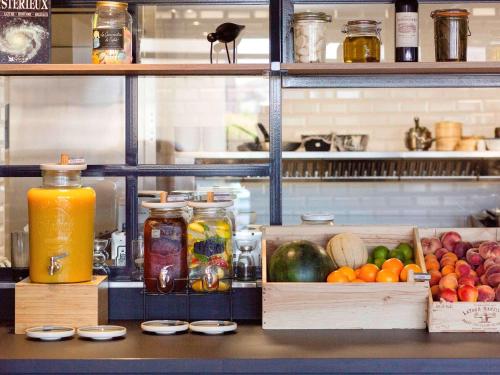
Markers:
<point>133,70</point>
<point>393,68</point>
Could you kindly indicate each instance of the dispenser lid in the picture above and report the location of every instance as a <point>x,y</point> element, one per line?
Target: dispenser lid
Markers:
<point>65,164</point>
<point>163,203</point>
<point>210,202</point>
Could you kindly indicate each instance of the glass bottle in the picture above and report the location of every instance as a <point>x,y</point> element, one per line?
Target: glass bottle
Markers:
<point>362,42</point>
<point>111,33</point>
<point>165,247</point>
<point>210,249</point>
<point>61,225</point>
<point>309,36</point>
<point>406,30</point>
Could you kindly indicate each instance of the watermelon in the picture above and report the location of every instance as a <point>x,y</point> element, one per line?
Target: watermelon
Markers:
<point>300,261</point>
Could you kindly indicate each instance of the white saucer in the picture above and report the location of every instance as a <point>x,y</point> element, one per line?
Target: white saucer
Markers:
<point>213,327</point>
<point>50,333</point>
<point>164,327</point>
<point>103,332</point>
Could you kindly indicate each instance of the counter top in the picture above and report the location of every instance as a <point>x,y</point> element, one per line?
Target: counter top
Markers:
<point>253,350</point>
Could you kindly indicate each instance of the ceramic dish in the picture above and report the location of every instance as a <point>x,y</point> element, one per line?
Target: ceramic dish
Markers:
<point>165,327</point>
<point>50,333</point>
<point>103,332</point>
<point>213,327</point>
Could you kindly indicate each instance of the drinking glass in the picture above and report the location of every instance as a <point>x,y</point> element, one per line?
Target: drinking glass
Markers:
<point>138,255</point>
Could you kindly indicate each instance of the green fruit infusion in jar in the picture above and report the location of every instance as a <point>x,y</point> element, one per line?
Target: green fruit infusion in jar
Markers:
<point>362,42</point>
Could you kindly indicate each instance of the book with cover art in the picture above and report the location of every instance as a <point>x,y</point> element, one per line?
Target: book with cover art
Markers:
<point>24,31</point>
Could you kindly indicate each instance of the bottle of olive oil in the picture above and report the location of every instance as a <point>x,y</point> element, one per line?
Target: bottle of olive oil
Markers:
<point>406,30</point>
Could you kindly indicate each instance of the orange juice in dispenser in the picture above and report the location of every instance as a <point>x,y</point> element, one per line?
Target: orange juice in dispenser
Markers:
<point>61,225</point>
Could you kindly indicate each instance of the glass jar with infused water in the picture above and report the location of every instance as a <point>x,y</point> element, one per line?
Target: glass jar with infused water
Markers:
<point>362,42</point>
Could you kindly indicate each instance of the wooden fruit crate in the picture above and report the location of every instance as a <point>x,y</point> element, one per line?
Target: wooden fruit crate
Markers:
<point>463,316</point>
<point>342,306</point>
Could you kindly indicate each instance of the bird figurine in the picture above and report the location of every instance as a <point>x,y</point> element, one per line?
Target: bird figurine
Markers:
<point>225,33</point>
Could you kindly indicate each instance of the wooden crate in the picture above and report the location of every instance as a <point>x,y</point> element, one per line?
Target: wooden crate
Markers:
<point>342,306</point>
<point>463,316</point>
<point>74,305</point>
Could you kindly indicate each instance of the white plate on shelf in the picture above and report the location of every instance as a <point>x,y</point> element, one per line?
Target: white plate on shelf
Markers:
<point>213,327</point>
<point>50,333</point>
<point>165,327</point>
<point>103,332</point>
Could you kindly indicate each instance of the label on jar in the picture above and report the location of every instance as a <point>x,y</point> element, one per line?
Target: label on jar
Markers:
<point>155,233</point>
<point>108,38</point>
<point>407,29</point>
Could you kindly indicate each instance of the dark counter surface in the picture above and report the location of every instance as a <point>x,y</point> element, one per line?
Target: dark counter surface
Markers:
<point>253,350</point>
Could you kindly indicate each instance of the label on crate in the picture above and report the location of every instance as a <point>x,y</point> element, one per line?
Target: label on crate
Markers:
<point>108,38</point>
<point>455,317</point>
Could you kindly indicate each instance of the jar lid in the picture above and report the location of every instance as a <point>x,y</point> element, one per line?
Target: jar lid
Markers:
<point>205,204</point>
<point>450,13</point>
<point>312,16</point>
<point>113,4</point>
<point>362,26</point>
<point>157,205</point>
<point>362,22</point>
<point>65,164</point>
<point>318,217</point>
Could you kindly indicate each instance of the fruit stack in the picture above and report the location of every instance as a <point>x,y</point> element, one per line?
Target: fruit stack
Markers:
<point>462,271</point>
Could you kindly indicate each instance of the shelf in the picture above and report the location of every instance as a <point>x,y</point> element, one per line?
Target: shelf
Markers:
<point>404,75</point>
<point>133,70</point>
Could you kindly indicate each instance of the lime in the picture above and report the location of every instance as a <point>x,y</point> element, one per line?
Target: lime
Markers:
<point>408,261</point>
<point>406,249</point>
<point>370,259</point>
<point>379,261</point>
<point>397,253</point>
<point>380,252</point>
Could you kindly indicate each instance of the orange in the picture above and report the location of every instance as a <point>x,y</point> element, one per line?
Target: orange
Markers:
<point>404,273</point>
<point>348,272</point>
<point>393,265</point>
<point>358,281</point>
<point>368,272</point>
<point>337,277</point>
<point>447,270</point>
<point>357,271</point>
<point>387,276</point>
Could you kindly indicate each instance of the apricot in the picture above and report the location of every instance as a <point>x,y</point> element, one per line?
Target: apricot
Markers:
<point>485,293</point>
<point>450,255</point>
<point>435,291</point>
<point>430,256</point>
<point>448,295</point>
<point>435,277</point>
<point>466,280</point>
<point>462,268</point>
<point>467,293</point>
<point>447,270</point>
<point>448,282</point>
<point>432,265</point>
<point>447,262</point>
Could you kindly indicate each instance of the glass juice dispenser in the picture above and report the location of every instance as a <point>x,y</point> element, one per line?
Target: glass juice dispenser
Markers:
<point>61,225</point>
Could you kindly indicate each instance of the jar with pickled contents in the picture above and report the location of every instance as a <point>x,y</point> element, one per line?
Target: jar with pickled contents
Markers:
<point>309,36</point>
<point>111,33</point>
<point>165,247</point>
<point>451,30</point>
<point>362,42</point>
<point>210,248</point>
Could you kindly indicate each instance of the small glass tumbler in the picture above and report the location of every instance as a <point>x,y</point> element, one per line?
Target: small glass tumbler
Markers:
<point>138,255</point>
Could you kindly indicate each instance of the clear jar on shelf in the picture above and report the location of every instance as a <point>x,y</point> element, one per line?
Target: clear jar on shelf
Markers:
<point>362,42</point>
<point>318,219</point>
<point>111,33</point>
<point>309,36</point>
<point>210,249</point>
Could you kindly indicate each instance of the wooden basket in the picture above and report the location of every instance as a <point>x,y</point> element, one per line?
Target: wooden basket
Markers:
<point>342,306</point>
<point>463,316</point>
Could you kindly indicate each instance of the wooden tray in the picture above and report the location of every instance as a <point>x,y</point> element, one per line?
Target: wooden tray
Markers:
<point>342,306</point>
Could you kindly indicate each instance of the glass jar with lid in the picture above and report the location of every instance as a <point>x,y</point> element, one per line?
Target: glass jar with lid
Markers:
<point>451,30</point>
<point>111,33</point>
<point>210,248</point>
<point>318,219</point>
<point>165,247</point>
<point>309,36</point>
<point>362,42</point>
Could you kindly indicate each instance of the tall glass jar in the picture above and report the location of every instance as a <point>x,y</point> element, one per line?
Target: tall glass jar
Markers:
<point>111,34</point>
<point>165,247</point>
<point>362,42</point>
<point>451,29</point>
<point>309,36</point>
<point>210,248</point>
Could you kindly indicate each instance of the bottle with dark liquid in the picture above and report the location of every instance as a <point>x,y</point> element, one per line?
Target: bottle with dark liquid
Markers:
<point>406,30</point>
<point>165,247</point>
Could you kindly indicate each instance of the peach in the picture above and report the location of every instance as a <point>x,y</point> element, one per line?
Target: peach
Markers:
<point>449,239</point>
<point>489,249</point>
<point>485,293</point>
<point>462,268</point>
<point>466,280</point>
<point>480,270</point>
<point>440,252</point>
<point>435,277</point>
<point>447,270</point>
<point>497,294</point>
<point>448,282</point>
<point>448,295</point>
<point>483,279</point>
<point>461,248</point>
<point>435,291</point>
<point>430,245</point>
<point>467,293</point>
<point>473,257</point>
<point>494,280</point>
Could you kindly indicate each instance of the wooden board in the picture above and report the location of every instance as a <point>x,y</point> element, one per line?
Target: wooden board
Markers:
<point>342,306</point>
<point>463,316</point>
<point>74,305</point>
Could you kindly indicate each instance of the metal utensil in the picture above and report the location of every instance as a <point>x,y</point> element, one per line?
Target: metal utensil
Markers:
<point>418,138</point>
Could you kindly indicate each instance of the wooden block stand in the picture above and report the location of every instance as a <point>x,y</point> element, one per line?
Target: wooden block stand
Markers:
<point>463,316</point>
<point>74,305</point>
<point>343,305</point>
